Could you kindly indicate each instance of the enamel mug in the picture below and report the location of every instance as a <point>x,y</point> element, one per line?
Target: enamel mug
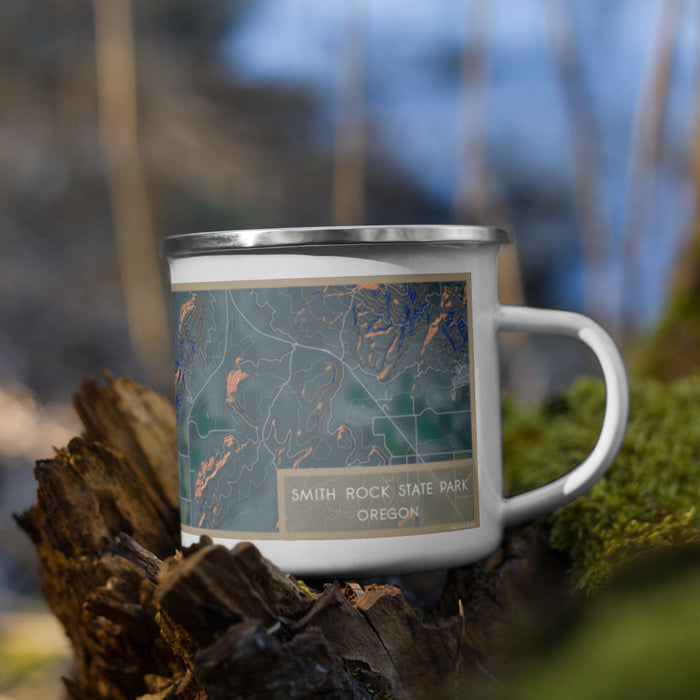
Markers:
<point>338,396</point>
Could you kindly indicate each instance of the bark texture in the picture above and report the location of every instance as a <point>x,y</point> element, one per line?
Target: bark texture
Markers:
<point>148,621</point>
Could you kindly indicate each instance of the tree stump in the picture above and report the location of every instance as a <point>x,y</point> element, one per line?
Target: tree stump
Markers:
<point>148,621</point>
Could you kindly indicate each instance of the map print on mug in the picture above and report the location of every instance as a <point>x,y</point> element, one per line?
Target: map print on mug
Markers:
<point>326,408</point>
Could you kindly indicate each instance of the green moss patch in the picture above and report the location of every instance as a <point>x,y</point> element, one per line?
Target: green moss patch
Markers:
<point>647,501</point>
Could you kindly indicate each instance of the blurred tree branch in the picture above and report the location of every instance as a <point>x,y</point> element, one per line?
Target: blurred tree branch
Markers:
<point>136,244</point>
<point>471,197</point>
<point>584,138</point>
<point>646,141</point>
<point>673,349</point>
<point>475,199</point>
<point>687,273</point>
<point>350,119</point>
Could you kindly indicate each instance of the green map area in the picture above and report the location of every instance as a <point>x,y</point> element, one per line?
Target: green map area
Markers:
<point>319,376</point>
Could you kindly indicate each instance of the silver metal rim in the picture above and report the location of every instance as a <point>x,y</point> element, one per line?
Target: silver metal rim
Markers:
<point>217,242</point>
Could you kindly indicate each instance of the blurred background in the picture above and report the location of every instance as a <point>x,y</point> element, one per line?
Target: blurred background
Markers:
<point>575,123</point>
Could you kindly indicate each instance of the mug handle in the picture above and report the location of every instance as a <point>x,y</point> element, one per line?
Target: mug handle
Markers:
<point>567,488</point>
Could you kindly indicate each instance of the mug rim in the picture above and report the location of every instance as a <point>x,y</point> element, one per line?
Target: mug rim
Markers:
<point>218,242</point>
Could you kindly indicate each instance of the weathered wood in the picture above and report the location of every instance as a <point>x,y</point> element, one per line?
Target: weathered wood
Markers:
<point>140,425</point>
<point>148,621</point>
<point>88,493</point>
<point>213,587</point>
<point>250,662</point>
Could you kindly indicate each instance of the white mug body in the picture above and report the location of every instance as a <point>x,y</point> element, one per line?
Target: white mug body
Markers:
<point>385,533</point>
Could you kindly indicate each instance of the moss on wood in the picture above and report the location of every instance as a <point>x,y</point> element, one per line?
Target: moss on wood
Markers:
<point>647,501</point>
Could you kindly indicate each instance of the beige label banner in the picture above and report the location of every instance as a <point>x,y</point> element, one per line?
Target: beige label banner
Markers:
<point>378,501</point>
